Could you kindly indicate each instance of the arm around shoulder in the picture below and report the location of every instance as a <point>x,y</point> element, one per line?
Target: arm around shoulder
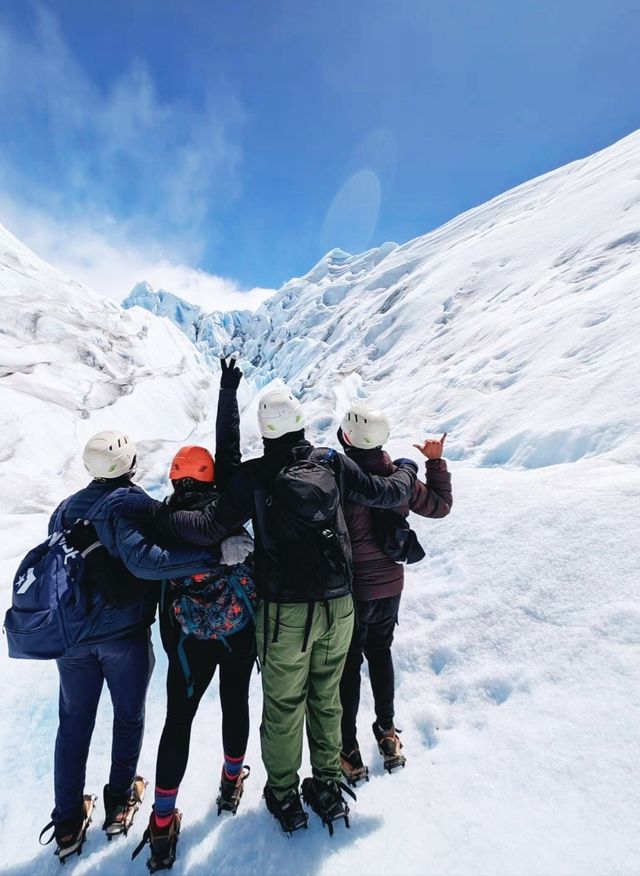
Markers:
<point>146,559</point>
<point>211,525</point>
<point>375,490</point>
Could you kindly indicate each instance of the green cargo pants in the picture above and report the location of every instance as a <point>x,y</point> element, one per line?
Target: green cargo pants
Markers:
<point>297,683</point>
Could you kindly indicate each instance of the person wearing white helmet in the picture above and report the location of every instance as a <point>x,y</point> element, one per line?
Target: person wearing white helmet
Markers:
<point>294,495</point>
<point>365,427</point>
<point>380,540</point>
<point>115,647</point>
<point>110,454</point>
<point>279,413</point>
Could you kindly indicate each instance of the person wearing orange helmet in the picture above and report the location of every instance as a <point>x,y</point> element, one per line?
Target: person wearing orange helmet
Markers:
<point>192,462</point>
<point>206,623</point>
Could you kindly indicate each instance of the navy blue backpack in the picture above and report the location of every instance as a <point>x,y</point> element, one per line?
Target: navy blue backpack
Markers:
<point>50,611</point>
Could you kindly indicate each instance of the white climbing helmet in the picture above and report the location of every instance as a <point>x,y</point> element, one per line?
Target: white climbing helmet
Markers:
<point>279,412</point>
<point>364,426</point>
<point>109,454</point>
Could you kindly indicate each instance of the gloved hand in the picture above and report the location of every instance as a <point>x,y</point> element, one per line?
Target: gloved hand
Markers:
<point>236,548</point>
<point>403,462</point>
<point>82,536</point>
<point>231,374</point>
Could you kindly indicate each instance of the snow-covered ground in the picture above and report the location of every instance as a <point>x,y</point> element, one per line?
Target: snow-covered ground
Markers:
<point>515,328</point>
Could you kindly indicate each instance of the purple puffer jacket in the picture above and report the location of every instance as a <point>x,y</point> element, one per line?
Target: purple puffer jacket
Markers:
<point>375,575</point>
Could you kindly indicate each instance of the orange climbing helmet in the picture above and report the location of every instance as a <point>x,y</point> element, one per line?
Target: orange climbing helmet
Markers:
<point>193,462</point>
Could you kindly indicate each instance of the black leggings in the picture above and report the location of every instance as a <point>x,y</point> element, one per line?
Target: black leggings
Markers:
<point>235,672</point>
<point>372,637</point>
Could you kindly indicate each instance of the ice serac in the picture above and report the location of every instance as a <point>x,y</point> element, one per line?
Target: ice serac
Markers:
<point>179,311</point>
<point>215,334</point>
<point>512,327</point>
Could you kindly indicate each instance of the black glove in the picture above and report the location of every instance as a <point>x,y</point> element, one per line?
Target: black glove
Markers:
<point>231,374</point>
<point>82,536</point>
<point>406,463</point>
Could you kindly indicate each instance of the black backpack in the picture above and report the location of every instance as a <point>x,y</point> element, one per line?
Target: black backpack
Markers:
<point>394,535</point>
<point>308,523</point>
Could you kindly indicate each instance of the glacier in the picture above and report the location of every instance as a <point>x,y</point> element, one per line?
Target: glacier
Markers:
<point>514,328</point>
<point>517,299</point>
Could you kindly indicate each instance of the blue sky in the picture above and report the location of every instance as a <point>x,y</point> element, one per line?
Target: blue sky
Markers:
<point>177,139</point>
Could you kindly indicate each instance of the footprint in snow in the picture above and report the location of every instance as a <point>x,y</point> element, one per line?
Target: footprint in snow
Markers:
<point>494,691</point>
<point>442,659</point>
<point>622,626</point>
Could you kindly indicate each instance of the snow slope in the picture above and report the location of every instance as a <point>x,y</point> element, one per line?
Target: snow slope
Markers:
<point>71,363</point>
<point>514,328</point>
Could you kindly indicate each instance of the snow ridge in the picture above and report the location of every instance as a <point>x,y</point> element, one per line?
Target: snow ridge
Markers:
<point>516,315</point>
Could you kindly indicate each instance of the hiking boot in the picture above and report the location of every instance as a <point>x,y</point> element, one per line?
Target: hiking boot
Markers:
<point>288,811</point>
<point>231,791</point>
<point>120,809</point>
<point>71,833</point>
<point>389,746</point>
<point>326,800</point>
<point>162,842</point>
<point>352,767</point>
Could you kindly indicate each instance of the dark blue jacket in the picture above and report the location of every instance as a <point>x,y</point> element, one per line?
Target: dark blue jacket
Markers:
<point>102,502</point>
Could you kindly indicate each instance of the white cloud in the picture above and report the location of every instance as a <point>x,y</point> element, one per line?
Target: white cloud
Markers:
<point>112,267</point>
<point>114,184</point>
<point>206,290</point>
<point>165,165</point>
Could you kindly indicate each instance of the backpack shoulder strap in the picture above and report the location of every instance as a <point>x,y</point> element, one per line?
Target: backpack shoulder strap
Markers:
<point>330,458</point>
<point>323,455</point>
<point>241,593</point>
<point>97,504</point>
<point>60,522</point>
<point>57,522</point>
<point>184,663</point>
<point>164,596</point>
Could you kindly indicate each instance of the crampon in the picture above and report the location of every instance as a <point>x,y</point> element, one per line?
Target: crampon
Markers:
<point>353,769</point>
<point>390,747</point>
<point>70,835</point>
<point>162,842</point>
<point>289,811</point>
<point>231,791</point>
<point>120,812</point>
<point>326,800</point>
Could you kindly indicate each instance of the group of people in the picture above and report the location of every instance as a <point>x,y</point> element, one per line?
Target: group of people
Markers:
<point>312,591</point>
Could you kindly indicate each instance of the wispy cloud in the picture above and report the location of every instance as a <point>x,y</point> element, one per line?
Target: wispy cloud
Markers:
<point>112,268</point>
<point>111,183</point>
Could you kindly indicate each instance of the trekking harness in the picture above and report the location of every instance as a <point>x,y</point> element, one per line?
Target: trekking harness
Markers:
<point>307,626</point>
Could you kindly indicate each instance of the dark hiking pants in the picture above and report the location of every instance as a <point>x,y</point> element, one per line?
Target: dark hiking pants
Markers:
<point>203,657</point>
<point>372,638</point>
<point>126,666</point>
<point>299,684</point>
